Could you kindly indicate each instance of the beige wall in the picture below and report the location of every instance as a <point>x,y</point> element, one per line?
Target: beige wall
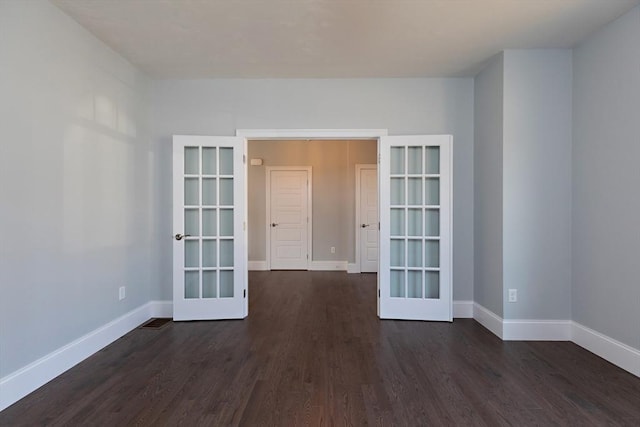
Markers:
<point>333,170</point>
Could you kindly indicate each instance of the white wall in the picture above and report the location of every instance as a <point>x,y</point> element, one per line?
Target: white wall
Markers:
<point>536,182</point>
<point>74,183</point>
<point>606,180</point>
<point>403,106</point>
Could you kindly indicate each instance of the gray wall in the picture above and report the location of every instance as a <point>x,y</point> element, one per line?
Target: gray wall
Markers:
<point>403,106</point>
<point>606,180</point>
<point>74,173</point>
<point>488,118</point>
<point>536,183</point>
<point>333,172</point>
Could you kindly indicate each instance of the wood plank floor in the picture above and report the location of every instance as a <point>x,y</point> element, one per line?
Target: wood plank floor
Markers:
<point>313,352</point>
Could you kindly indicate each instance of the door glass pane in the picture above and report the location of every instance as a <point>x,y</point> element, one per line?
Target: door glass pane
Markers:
<point>191,161</point>
<point>226,253</point>
<point>414,222</point>
<point>433,160</point>
<point>414,284</point>
<point>432,191</point>
<point>209,191</point>
<point>397,222</point>
<point>208,162</point>
<point>226,284</point>
<point>209,222</point>
<point>414,253</point>
<point>191,192</point>
<point>397,160</point>
<point>397,191</point>
<point>415,160</point>
<point>432,254</point>
<point>192,284</point>
<point>226,161</point>
<point>209,284</point>
<point>191,253</point>
<point>226,222</point>
<point>209,253</point>
<point>397,283</point>
<point>226,192</point>
<point>432,284</point>
<point>432,222</point>
<point>415,191</point>
<point>397,253</point>
<point>192,222</point>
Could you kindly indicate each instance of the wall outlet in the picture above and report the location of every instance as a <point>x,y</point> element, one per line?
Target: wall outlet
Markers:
<point>513,295</point>
<point>121,293</point>
<point>333,249</point>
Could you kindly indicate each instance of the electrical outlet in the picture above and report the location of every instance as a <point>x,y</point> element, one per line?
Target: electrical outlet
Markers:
<point>333,249</point>
<point>513,295</point>
<point>121,293</point>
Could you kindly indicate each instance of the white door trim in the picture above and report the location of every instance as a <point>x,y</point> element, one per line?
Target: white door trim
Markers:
<point>311,133</point>
<point>268,170</point>
<point>359,168</point>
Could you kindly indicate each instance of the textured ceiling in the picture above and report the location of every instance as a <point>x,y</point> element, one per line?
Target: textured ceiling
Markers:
<point>333,38</point>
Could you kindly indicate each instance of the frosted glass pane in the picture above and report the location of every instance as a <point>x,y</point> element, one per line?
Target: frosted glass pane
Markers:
<point>432,284</point>
<point>414,253</point>
<point>432,222</point>
<point>208,161</point>
<point>226,222</point>
<point>209,284</point>
<point>209,192</point>
<point>414,284</point>
<point>433,160</point>
<point>226,253</point>
<point>397,283</point>
<point>192,222</point>
<point>209,253</point>
<point>397,253</point>
<point>209,222</point>
<point>226,161</point>
<point>191,192</point>
<point>397,160</point>
<point>397,222</point>
<point>432,191</point>
<point>191,161</point>
<point>226,284</point>
<point>226,192</point>
<point>397,191</point>
<point>414,222</point>
<point>432,253</point>
<point>415,160</point>
<point>414,191</point>
<point>191,253</point>
<point>192,284</point>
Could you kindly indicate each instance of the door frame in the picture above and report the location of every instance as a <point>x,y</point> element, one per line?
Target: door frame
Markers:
<point>308,169</point>
<point>359,168</point>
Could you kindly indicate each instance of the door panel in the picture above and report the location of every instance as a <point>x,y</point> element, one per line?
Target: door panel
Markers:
<point>368,221</point>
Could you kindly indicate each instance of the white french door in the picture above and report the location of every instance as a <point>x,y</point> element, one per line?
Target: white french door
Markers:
<point>210,243</point>
<point>415,277</point>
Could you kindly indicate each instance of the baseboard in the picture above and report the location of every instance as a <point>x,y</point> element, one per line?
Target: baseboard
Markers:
<point>488,319</point>
<point>161,309</point>
<point>18,384</point>
<point>536,330</point>
<point>328,266</point>
<point>257,265</point>
<point>620,354</point>
<point>463,309</point>
<point>352,268</point>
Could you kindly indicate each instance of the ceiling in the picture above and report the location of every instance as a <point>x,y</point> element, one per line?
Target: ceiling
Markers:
<point>333,38</point>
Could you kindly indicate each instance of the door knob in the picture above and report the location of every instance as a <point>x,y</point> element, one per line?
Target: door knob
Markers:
<point>364,225</point>
<point>273,224</point>
<point>181,236</point>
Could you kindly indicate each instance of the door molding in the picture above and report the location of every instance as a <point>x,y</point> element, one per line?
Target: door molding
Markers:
<point>268,170</point>
<point>267,134</point>
<point>359,168</point>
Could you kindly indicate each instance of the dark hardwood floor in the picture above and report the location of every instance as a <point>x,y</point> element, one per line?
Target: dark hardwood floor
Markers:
<point>313,352</point>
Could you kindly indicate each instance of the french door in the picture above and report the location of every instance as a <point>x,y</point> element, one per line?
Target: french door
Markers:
<point>415,274</point>
<point>210,243</point>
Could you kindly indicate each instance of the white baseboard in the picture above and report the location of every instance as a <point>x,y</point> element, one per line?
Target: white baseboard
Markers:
<point>536,330</point>
<point>18,384</point>
<point>257,265</point>
<point>352,268</point>
<point>488,319</point>
<point>161,309</point>
<point>328,266</point>
<point>620,354</point>
<point>463,309</point>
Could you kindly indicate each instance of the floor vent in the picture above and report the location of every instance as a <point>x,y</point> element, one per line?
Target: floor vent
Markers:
<point>156,323</point>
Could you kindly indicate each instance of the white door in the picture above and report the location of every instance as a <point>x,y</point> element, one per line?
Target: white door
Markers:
<point>415,228</point>
<point>210,244</point>
<point>367,222</point>
<point>288,220</point>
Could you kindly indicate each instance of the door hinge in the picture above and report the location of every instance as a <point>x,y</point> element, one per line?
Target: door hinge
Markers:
<point>244,159</point>
<point>244,226</point>
<point>245,293</point>
<point>378,226</point>
<point>307,256</point>
<point>378,293</point>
